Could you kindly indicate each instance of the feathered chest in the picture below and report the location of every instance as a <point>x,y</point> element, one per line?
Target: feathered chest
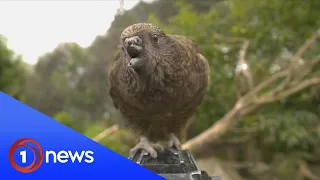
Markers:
<point>160,92</point>
<point>172,84</point>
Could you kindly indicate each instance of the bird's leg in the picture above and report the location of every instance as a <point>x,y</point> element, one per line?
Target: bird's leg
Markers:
<point>175,146</point>
<point>174,142</point>
<point>147,146</point>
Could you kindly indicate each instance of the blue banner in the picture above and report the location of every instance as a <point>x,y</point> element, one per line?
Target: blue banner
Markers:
<point>35,146</point>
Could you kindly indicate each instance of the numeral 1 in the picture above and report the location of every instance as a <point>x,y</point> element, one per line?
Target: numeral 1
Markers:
<point>23,156</point>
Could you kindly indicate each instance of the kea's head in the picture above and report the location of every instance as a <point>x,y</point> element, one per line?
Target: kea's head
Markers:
<point>143,44</point>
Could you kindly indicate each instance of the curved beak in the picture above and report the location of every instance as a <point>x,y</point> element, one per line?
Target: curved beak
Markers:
<point>134,49</point>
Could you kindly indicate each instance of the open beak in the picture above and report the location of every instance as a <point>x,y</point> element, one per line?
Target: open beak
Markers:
<point>134,49</point>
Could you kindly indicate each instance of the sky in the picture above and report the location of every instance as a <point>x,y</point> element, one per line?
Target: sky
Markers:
<point>33,28</point>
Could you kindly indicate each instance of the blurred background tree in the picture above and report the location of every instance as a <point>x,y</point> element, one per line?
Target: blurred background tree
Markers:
<point>12,71</point>
<point>276,140</point>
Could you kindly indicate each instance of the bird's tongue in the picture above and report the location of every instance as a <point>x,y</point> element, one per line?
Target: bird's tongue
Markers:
<point>133,61</point>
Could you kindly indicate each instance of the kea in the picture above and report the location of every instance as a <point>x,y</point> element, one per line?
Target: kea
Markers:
<point>157,82</point>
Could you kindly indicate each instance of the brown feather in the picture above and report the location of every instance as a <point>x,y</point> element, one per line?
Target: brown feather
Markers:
<point>172,84</point>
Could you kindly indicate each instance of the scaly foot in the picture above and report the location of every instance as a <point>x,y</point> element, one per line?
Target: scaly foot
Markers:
<point>147,146</point>
<point>174,142</point>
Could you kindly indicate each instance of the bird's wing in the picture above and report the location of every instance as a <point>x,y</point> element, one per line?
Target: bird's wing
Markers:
<point>202,64</point>
<point>113,79</point>
<point>198,67</point>
<point>206,66</point>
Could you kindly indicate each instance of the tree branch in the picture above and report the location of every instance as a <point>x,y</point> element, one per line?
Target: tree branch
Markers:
<point>106,132</point>
<point>267,82</point>
<point>300,86</point>
<point>306,45</point>
<point>315,61</point>
<point>243,72</point>
<point>243,51</point>
<point>250,101</point>
<point>214,132</point>
<point>304,84</point>
<point>305,172</point>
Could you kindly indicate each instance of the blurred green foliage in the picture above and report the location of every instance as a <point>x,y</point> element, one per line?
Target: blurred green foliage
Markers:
<point>271,27</point>
<point>120,141</point>
<point>11,71</point>
<point>70,83</point>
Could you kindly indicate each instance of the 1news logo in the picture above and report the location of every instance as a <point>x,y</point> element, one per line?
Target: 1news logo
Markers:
<point>37,155</point>
<point>26,155</point>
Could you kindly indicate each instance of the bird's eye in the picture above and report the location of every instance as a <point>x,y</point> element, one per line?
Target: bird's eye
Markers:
<point>155,38</point>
